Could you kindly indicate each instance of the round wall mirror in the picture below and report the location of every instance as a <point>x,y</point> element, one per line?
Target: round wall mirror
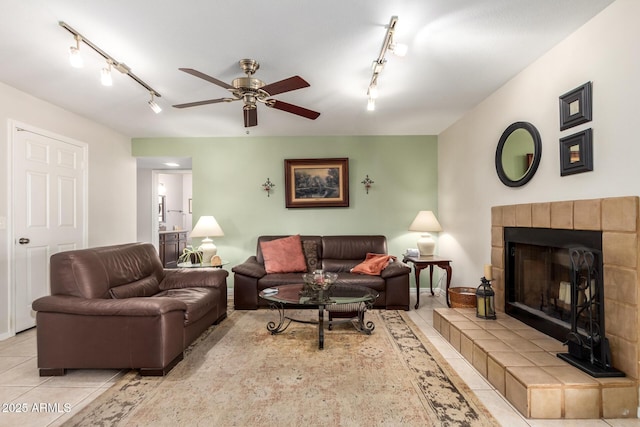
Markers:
<point>518,154</point>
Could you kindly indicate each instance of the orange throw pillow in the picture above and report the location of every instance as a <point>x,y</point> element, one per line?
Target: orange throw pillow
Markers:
<point>284,255</point>
<point>373,264</point>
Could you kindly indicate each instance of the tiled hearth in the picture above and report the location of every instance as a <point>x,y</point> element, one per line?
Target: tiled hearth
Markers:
<point>557,390</point>
<point>521,363</point>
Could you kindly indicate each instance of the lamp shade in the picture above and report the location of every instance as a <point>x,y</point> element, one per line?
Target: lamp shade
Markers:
<point>425,222</point>
<point>207,226</point>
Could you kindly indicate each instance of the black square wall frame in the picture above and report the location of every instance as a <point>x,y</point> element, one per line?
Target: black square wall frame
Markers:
<point>575,106</point>
<point>576,153</point>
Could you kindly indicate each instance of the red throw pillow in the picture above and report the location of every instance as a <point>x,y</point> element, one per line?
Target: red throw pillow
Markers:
<point>284,255</point>
<point>373,264</point>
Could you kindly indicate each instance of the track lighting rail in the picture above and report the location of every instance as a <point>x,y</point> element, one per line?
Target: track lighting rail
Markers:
<point>120,66</point>
<point>387,45</point>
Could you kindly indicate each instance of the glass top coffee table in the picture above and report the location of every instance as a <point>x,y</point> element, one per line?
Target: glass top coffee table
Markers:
<point>350,300</point>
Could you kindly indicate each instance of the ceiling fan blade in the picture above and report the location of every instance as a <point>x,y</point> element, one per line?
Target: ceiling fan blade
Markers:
<point>206,77</point>
<point>250,116</point>
<point>293,109</point>
<point>286,85</point>
<point>195,104</point>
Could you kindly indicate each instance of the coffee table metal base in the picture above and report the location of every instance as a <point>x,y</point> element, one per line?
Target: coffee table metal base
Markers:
<point>284,321</point>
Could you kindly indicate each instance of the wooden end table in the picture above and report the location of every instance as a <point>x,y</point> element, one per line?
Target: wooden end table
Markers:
<point>422,262</point>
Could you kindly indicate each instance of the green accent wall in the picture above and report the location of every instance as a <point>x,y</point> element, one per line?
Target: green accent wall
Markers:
<point>228,174</point>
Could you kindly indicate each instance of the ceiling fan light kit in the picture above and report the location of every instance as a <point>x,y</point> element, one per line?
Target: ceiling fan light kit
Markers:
<point>251,91</point>
<point>398,49</point>
<point>105,74</point>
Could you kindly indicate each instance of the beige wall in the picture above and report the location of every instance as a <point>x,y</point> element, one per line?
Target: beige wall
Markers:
<point>603,51</point>
<point>111,183</point>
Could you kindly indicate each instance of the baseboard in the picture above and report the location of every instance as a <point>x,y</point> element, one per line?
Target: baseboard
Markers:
<point>6,335</point>
<point>436,291</point>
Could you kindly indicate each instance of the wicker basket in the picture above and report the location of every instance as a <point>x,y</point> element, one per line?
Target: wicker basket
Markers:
<point>462,297</point>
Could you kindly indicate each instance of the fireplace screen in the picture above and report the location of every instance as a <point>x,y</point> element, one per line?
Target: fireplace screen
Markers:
<point>538,275</point>
<point>553,282</point>
<point>542,282</point>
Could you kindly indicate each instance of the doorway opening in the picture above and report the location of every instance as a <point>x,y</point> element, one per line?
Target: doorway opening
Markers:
<point>165,196</point>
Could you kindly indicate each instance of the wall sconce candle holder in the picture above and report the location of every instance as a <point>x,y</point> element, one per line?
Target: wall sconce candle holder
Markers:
<point>268,187</point>
<point>367,183</point>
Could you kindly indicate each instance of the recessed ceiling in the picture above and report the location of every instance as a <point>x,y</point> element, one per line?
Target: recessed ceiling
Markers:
<point>459,53</point>
<point>164,163</point>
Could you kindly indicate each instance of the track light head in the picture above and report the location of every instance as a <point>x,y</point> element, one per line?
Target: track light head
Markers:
<point>373,91</point>
<point>399,49</point>
<point>105,75</point>
<point>371,104</point>
<point>75,59</point>
<point>152,104</point>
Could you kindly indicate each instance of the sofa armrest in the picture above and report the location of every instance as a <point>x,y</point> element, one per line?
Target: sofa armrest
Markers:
<point>194,278</point>
<point>251,268</point>
<point>395,268</point>
<point>144,306</point>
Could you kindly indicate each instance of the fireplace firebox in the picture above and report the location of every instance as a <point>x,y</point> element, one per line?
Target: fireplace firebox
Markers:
<point>554,283</point>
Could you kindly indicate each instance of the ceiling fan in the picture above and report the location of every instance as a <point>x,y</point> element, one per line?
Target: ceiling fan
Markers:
<point>252,90</point>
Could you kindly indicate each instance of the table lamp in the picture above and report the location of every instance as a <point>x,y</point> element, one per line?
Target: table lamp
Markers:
<point>206,227</point>
<point>425,222</point>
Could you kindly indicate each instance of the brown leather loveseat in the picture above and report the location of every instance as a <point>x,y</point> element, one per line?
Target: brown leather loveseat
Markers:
<point>338,254</point>
<point>117,307</point>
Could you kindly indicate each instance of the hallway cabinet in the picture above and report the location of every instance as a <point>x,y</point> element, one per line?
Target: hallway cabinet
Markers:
<point>171,245</point>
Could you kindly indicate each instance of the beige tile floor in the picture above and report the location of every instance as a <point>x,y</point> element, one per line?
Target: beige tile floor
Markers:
<point>50,401</point>
<point>30,400</point>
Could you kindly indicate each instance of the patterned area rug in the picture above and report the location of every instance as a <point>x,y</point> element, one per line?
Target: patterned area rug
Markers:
<point>238,374</point>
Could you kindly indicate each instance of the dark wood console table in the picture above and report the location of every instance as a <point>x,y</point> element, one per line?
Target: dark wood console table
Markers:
<point>171,245</point>
<point>420,263</point>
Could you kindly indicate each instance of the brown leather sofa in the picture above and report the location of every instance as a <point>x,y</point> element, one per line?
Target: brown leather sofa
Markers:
<point>338,254</point>
<point>117,307</point>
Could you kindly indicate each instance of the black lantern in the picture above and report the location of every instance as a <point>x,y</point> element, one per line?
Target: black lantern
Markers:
<point>485,307</point>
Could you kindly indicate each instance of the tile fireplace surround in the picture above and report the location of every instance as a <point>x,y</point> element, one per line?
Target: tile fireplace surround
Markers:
<point>541,390</point>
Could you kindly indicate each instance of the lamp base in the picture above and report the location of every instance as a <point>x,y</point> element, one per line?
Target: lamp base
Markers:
<point>208,249</point>
<point>426,245</point>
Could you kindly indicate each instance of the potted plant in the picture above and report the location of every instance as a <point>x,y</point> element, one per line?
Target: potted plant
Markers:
<point>190,255</point>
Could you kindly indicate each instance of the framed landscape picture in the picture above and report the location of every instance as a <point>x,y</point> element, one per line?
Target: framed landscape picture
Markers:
<point>316,183</point>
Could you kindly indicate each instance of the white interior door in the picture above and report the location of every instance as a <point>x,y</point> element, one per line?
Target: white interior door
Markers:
<point>49,212</point>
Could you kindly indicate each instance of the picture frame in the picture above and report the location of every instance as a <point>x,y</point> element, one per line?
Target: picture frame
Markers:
<point>576,153</point>
<point>162,209</point>
<point>316,183</point>
<point>575,106</point>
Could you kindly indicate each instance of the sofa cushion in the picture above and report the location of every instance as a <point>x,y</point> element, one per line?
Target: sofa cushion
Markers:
<point>141,288</point>
<point>310,250</point>
<point>271,280</point>
<point>283,255</point>
<point>194,278</point>
<point>199,301</point>
<point>352,247</point>
<point>374,282</point>
<point>373,264</point>
<point>90,273</point>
